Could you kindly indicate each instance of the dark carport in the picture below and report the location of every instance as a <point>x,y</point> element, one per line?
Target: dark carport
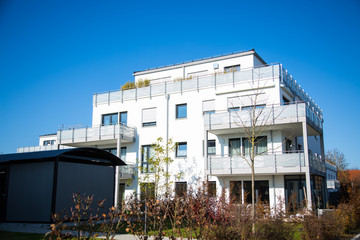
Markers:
<point>35,185</point>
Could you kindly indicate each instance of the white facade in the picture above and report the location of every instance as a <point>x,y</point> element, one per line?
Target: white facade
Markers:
<point>199,103</point>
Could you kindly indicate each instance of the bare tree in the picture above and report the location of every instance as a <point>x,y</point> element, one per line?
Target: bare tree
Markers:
<point>253,119</point>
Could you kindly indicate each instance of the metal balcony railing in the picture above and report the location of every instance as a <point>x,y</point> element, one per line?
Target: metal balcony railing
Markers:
<point>40,148</point>
<point>271,163</point>
<point>267,163</point>
<point>95,133</point>
<point>127,171</point>
<point>271,71</point>
<point>273,114</point>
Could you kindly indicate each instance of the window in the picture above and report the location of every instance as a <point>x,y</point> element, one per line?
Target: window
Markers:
<point>208,106</point>
<point>233,68</point>
<point>181,111</point>
<point>285,101</point>
<point>260,145</point>
<point>180,189</point>
<point>181,149</point>
<point>211,147</point>
<point>149,117</point>
<point>114,151</point>
<point>211,188</point>
<point>147,154</point>
<point>49,142</point>
<point>235,191</point>
<point>261,191</point>
<point>234,147</point>
<point>123,118</point>
<point>109,119</point>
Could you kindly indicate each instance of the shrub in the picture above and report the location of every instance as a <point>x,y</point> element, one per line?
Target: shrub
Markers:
<point>128,85</point>
<point>142,83</point>
<point>328,227</point>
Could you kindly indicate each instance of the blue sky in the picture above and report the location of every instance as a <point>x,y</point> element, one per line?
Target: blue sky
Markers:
<point>55,54</point>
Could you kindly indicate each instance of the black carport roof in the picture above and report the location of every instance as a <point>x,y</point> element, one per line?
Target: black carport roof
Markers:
<point>78,155</point>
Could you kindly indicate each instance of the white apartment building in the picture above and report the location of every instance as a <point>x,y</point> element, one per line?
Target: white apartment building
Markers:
<point>203,106</point>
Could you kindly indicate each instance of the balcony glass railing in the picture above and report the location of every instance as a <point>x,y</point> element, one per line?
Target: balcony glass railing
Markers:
<point>268,163</point>
<point>95,133</point>
<point>200,82</point>
<point>40,148</point>
<point>271,114</point>
<point>296,89</point>
<point>127,171</point>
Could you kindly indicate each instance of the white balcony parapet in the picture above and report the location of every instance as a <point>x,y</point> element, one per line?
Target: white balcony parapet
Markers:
<point>273,114</point>
<point>271,71</point>
<point>96,133</point>
<point>272,163</point>
<point>40,148</point>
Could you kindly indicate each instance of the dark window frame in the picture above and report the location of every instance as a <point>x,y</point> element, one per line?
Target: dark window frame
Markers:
<point>180,189</point>
<point>145,165</point>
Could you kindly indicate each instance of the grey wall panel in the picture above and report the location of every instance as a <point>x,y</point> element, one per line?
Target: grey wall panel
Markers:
<point>84,179</point>
<point>30,192</point>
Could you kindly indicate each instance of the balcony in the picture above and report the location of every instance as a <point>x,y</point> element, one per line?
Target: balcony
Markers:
<point>96,135</point>
<point>270,115</point>
<point>127,171</point>
<point>40,148</point>
<point>270,72</point>
<point>264,164</point>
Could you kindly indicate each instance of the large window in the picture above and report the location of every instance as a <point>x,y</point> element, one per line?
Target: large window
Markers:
<point>235,191</point>
<point>149,117</point>
<point>261,191</point>
<point>260,145</point>
<point>181,149</point>
<point>181,111</point>
<point>180,189</point>
<point>109,119</point>
<point>234,147</point>
<point>211,147</point>
<point>147,154</point>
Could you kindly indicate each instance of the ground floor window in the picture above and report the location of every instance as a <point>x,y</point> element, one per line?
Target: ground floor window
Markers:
<point>318,191</point>
<point>235,191</point>
<point>261,192</point>
<point>295,190</point>
<point>211,188</point>
<point>180,189</point>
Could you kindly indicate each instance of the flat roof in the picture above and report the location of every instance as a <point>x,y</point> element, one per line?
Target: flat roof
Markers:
<point>77,155</point>
<point>199,61</point>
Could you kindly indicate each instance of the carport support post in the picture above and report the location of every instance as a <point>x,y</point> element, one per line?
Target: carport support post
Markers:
<point>307,164</point>
<point>54,188</point>
<point>118,154</point>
